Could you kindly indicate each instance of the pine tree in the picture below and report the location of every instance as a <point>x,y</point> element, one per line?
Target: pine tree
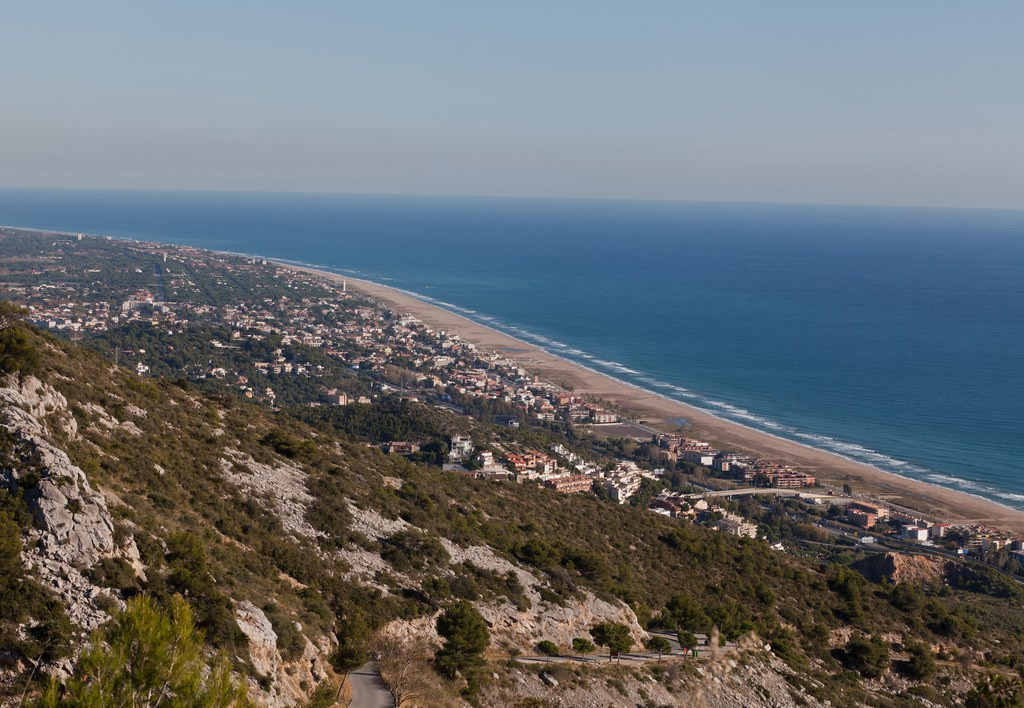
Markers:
<point>353,635</point>
<point>613,635</point>
<point>149,656</point>
<point>659,645</point>
<point>687,639</point>
<point>582,645</point>
<point>466,637</point>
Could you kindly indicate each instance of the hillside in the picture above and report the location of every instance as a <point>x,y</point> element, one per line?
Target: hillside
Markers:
<point>299,548</point>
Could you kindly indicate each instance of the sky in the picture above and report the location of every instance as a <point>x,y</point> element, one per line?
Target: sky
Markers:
<point>917,102</point>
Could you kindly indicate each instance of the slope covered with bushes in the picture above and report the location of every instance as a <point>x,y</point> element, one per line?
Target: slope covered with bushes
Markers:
<point>260,519</point>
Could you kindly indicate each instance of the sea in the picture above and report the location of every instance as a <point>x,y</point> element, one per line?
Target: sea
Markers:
<point>891,336</point>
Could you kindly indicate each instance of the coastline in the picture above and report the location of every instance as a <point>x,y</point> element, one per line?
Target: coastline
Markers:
<point>940,503</point>
<point>928,499</point>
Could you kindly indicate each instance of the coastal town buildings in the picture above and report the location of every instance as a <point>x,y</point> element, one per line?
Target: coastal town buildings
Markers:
<point>289,338</point>
<point>461,447</point>
<point>570,484</point>
<point>735,524</point>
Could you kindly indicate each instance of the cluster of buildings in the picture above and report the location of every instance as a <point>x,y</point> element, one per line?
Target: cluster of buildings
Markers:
<point>56,304</point>
<point>311,312</point>
<point>753,471</point>
<point>680,506</point>
<point>869,515</point>
<point>560,470</point>
<point>505,380</point>
<point>620,482</point>
<point>969,538</point>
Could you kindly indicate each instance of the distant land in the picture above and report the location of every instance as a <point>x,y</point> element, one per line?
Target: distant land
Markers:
<point>890,336</point>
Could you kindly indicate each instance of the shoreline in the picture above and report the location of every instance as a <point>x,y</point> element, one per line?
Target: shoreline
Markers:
<point>940,503</point>
<point>661,412</point>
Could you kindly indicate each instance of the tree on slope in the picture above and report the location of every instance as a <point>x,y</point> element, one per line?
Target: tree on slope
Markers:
<point>867,656</point>
<point>466,636</point>
<point>149,656</point>
<point>583,646</point>
<point>687,639</point>
<point>16,350</point>
<point>405,668</point>
<point>353,634</point>
<point>921,663</point>
<point>658,645</point>
<point>613,635</point>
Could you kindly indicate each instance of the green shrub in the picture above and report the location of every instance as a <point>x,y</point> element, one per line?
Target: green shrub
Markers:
<point>583,646</point>
<point>114,573</point>
<point>921,663</point>
<point>190,576</point>
<point>18,353</point>
<point>413,550</point>
<point>547,648</point>
<point>868,657</point>
<point>465,637</point>
<point>289,446</point>
<point>143,653</point>
<point>290,641</point>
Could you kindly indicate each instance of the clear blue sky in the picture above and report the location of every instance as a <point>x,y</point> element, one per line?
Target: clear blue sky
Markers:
<point>895,102</point>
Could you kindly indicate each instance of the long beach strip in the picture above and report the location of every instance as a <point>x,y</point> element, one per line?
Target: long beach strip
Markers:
<point>933,500</point>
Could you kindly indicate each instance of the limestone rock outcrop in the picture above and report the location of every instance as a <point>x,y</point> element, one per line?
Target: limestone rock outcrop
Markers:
<point>72,526</point>
<point>558,623</point>
<point>902,568</point>
<point>282,483</point>
<point>288,682</point>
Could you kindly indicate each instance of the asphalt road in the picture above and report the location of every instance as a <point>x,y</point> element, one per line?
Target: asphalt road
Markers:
<point>601,656</point>
<point>368,691</point>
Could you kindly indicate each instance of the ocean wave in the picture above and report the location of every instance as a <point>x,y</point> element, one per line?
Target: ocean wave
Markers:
<point>978,489</point>
<point>947,479</point>
<point>616,366</point>
<point>684,392</point>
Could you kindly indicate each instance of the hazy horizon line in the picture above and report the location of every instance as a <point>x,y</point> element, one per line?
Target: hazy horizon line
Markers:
<point>506,197</point>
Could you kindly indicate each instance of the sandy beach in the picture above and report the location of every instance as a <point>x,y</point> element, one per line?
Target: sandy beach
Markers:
<point>936,502</point>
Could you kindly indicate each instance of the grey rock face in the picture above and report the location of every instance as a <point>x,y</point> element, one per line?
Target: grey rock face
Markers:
<point>285,484</point>
<point>290,680</point>
<point>262,638</point>
<point>73,529</point>
<point>42,402</point>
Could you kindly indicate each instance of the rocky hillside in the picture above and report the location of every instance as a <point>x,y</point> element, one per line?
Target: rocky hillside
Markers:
<point>299,549</point>
<point>167,466</point>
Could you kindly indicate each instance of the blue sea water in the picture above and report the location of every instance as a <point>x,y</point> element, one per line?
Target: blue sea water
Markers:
<point>893,336</point>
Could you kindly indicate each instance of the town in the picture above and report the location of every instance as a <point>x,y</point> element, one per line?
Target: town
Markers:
<point>284,337</point>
